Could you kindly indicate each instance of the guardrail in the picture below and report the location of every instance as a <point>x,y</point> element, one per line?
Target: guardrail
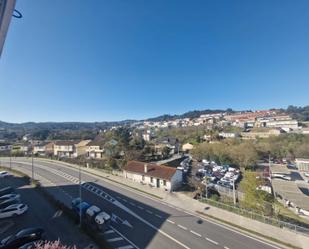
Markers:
<point>252,215</point>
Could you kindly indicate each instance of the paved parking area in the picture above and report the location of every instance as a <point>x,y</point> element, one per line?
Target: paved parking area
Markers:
<point>40,214</point>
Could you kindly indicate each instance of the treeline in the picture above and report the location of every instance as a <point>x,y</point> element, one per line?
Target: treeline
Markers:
<point>246,153</point>
<point>299,113</point>
<point>190,114</point>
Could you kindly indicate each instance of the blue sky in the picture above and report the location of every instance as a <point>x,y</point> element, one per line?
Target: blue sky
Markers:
<point>111,60</point>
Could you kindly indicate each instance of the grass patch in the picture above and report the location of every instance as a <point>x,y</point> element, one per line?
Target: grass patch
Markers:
<point>286,213</point>
<point>249,231</point>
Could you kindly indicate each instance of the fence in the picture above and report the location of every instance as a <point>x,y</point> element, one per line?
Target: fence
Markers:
<point>259,217</point>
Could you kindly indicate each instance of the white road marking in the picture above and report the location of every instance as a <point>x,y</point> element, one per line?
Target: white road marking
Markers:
<point>182,227</point>
<point>140,207</point>
<point>197,234</point>
<point>149,212</point>
<point>159,216</point>
<point>132,204</point>
<point>109,231</point>
<point>124,237</point>
<point>212,241</point>
<point>115,239</point>
<point>125,247</point>
<point>226,247</point>
<point>170,221</point>
<point>124,200</point>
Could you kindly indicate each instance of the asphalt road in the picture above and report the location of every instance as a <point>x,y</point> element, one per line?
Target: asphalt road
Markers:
<point>40,214</point>
<point>142,222</point>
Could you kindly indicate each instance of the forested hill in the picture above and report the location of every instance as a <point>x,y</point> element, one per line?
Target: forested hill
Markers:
<point>190,114</point>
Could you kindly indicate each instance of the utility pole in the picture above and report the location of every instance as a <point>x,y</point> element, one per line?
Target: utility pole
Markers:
<point>206,187</point>
<point>80,194</point>
<point>10,160</point>
<point>32,169</point>
<point>234,194</point>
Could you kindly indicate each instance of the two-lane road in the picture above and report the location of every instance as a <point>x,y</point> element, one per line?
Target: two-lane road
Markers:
<point>142,221</point>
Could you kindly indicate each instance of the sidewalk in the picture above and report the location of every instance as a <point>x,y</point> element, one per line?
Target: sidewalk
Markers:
<point>188,204</point>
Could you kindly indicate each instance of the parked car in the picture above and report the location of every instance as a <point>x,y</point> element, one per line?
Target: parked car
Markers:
<point>13,210</point>
<point>9,196</point>
<point>4,174</point>
<point>92,212</point>
<point>21,238</point>
<point>102,220</point>
<point>6,190</point>
<point>307,174</point>
<point>8,202</point>
<point>81,208</point>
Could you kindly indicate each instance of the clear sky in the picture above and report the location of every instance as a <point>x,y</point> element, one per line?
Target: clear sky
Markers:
<point>97,60</point>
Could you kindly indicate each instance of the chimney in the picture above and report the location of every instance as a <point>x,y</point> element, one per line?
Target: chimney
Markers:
<point>145,168</point>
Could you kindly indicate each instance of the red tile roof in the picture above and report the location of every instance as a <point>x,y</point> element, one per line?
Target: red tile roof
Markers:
<point>154,170</point>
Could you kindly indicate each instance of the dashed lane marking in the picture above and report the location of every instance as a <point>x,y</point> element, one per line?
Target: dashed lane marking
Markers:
<point>197,234</point>
<point>170,221</point>
<point>109,231</point>
<point>226,247</point>
<point>149,212</point>
<point>159,216</point>
<point>212,241</point>
<point>132,204</point>
<point>182,227</point>
<point>140,207</point>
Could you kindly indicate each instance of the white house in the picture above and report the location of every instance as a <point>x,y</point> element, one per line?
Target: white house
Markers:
<point>157,176</point>
<point>95,150</point>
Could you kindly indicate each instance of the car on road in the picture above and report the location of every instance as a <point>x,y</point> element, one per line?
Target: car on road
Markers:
<point>9,197</point>
<point>13,210</point>
<point>6,190</point>
<point>21,238</point>
<point>4,174</point>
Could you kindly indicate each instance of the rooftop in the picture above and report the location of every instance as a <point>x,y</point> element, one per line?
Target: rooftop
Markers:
<point>154,170</point>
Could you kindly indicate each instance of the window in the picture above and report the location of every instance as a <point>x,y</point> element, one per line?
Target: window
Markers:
<point>151,179</point>
<point>164,182</point>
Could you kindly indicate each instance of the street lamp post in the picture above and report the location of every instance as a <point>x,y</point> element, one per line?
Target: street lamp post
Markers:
<point>80,194</point>
<point>10,160</point>
<point>234,195</point>
<point>32,169</point>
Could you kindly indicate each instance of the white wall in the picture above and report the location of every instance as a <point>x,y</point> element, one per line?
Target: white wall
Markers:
<point>147,180</point>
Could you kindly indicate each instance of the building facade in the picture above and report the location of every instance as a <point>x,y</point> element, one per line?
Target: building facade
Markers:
<point>157,176</point>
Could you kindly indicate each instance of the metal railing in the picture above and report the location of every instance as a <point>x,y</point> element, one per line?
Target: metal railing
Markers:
<point>259,217</point>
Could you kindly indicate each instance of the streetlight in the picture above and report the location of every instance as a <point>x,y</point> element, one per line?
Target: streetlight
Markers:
<point>234,195</point>
<point>80,194</point>
<point>32,169</point>
<point>10,159</point>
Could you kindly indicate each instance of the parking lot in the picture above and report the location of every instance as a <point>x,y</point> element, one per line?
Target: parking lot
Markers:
<point>40,214</point>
